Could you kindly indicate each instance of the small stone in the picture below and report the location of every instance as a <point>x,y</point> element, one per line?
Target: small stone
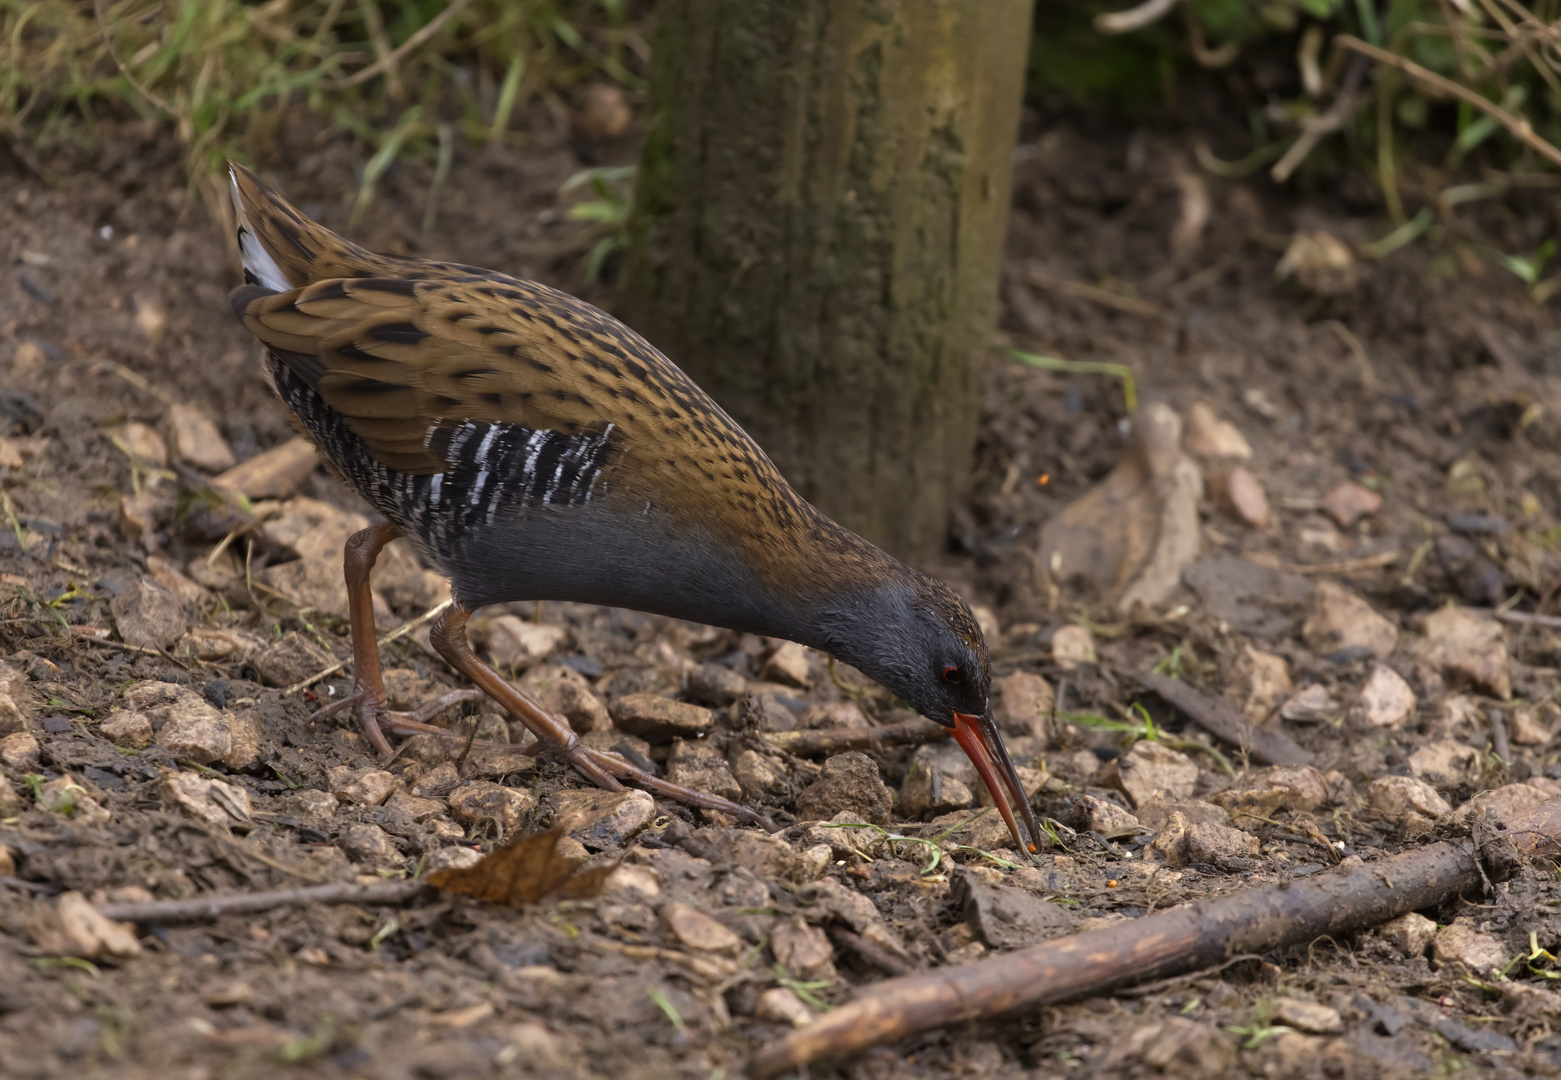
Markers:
<point>1262,681</point>
<point>11,454</point>
<point>309,584</point>
<point>1500,805</point>
<point>564,692</point>
<point>603,819</point>
<point>210,800</point>
<point>1410,934</point>
<point>1308,1016</point>
<point>1406,800</point>
<point>7,859</point>
<point>28,357</point>
<point>658,719</point>
<point>1023,702</point>
<point>138,515</point>
<point>1525,727</point>
<point>928,791</point>
<point>417,809</point>
<point>700,766</point>
<point>1468,649</point>
<point>197,440</point>
<point>1206,435</point>
<point>128,729</point>
<point>760,776</point>
<point>697,930</point>
<point>812,862</point>
<point>986,619</point>
<point>1445,764</point>
<point>67,797</point>
<point>20,751</point>
<point>191,727</point>
<point>73,927</point>
<point>1309,705</point>
<point>1320,262</point>
<point>170,577</point>
<point>516,644</point>
<point>15,699</point>
<point>1213,843</point>
<point>627,877</point>
<point>849,781</point>
<point>1302,787</point>
<point>1071,646</point>
<point>779,1005</point>
<point>452,858</point>
<point>1386,700</point>
<point>149,616</point>
<point>370,846</point>
<point>1240,494</point>
<point>1349,502</point>
<point>485,805</point>
<point>1151,769</point>
<point>437,782</point>
<point>273,474</point>
<point>788,665</point>
<point>803,950</point>
<point>144,445</point>
<point>10,801</point>
<point>715,685</point>
<point>1180,1047</point>
<point>312,804</point>
<point>1459,944</point>
<point>1340,621</point>
<point>834,716</point>
<point>290,659</point>
<point>149,318</point>
<point>1108,819</point>
<point>362,787</point>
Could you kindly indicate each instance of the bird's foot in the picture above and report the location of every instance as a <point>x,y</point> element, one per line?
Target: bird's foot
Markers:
<point>379,721</point>
<point>606,769</point>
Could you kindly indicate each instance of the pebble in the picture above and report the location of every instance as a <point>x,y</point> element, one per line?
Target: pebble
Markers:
<point>1022,703</point>
<point>1321,262</point>
<point>1445,764</point>
<point>516,644</point>
<point>482,804</point>
<point>1262,681</point>
<point>370,846</point>
<point>1526,728</point>
<point>1459,944</point>
<point>788,665</point>
<point>138,514</point>
<point>1385,701</point>
<point>1406,800</point>
<point>761,776</point>
<point>452,858</point>
<point>66,796</point>
<point>414,808</point>
<point>290,659</point>
<point>1240,494</point>
<point>1308,1016</point>
<point>362,787</point>
<point>1107,818</point>
<point>10,801</point>
<point>1073,645</point>
<point>20,751</point>
<point>189,726</point>
<point>1308,705</point>
<point>779,1005</point>
<point>149,616</point>
<point>928,791</point>
<point>131,730</point>
<point>170,577</point>
<point>1502,804</point>
<point>697,930</point>
<point>1206,435</point>
<point>701,766</point>
<point>437,782</point>
<point>11,454</point>
<point>1348,502</point>
<point>311,804</point>
<point>149,318</point>
<point>565,692</point>
<point>657,719</point>
<point>212,801</point>
<point>273,474</point>
<point>144,444</point>
<point>309,584</point>
<point>849,781</point>
<point>1409,934</point>
<point>1151,769</point>
<point>1205,843</point>
<point>603,819</point>
<point>627,877</point>
<point>1340,620</point>
<point>73,927</point>
<point>197,440</point>
<point>715,685</point>
<point>1468,648</point>
<point>15,699</point>
<point>803,949</point>
<point>1301,787</point>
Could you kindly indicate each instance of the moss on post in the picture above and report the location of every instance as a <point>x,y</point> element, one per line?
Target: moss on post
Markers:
<point>818,230</point>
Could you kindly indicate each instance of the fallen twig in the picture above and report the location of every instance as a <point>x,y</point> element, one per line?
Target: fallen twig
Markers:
<point>202,909</point>
<point>1522,618</point>
<point>1168,943</point>
<point>1224,721</point>
<point>1078,290</point>
<point>1125,22</point>
<point>833,739</point>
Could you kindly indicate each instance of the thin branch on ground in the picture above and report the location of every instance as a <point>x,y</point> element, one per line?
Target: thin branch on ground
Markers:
<point>836,739</point>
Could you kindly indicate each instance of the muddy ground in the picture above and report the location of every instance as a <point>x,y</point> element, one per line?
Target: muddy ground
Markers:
<point>178,766</point>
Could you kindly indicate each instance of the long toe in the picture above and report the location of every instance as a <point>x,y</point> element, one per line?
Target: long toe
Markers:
<point>592,762</point>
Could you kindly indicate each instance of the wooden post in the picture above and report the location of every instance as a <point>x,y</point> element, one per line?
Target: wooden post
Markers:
<point>818,230</point>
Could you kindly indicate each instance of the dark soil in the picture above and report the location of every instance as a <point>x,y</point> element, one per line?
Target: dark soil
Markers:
<point>1433,379</point>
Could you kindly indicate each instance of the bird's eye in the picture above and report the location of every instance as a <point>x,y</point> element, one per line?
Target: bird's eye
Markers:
<point>952,674</point>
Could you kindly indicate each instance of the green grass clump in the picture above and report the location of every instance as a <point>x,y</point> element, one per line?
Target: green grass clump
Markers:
<point>220,71</point>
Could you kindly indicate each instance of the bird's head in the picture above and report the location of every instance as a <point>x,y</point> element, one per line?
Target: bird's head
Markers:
<point>922,642</point>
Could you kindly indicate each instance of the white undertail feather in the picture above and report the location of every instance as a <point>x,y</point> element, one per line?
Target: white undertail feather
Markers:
<point>257,260</point>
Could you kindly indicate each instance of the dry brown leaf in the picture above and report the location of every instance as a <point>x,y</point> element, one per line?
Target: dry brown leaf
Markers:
<point>528,870</point>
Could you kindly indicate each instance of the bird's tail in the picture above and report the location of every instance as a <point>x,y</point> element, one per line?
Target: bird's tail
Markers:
<point>283,250</point>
